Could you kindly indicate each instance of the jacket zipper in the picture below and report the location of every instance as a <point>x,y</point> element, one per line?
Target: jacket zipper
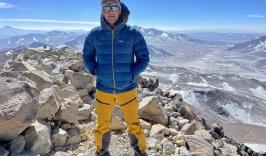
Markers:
<point>113,35</point>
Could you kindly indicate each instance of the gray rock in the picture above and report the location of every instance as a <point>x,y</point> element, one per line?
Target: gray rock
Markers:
<point>150,109</point>
<point>158,131</point>
<point>17,144</point>
<point>38,139</point>
<point>40,78</point>
<point>18,107</point>
<point>59,137</point>
<point>168,148</point>
<point>84,112</point>
<point>198,146</point>
<point>189,128</point>
<point>49,102</point>
<point>70,104</point>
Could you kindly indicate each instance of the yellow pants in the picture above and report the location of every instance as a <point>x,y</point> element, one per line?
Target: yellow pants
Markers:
<point>129,106</point>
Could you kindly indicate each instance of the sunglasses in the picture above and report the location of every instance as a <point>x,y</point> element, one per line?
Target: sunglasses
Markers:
<point>111,7</point>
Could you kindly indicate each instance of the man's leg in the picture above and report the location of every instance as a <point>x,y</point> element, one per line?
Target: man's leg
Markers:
<point>102,132</point>
<point>129,106</point>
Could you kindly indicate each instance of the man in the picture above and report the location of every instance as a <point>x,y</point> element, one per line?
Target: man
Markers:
<point>108,53</point>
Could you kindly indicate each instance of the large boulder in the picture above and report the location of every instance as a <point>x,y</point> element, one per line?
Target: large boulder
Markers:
<point>37,138</point>
<point>49,102</point>
<point>40,78</point>
<point>151,110</point>
<point>17,66</point>
<point>70,104</point>
<point>199,146</point>
<point>18,107</point>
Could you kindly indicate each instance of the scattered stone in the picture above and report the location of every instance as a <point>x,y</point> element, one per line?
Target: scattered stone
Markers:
<point>198,146</point>
<point>59,136</point>
<point>37,138</point>
<point>179,139</point>
<point>158,131</point>
<point>84,112</point>
<point>49,102</point>
<point>168,148</point>
<point>189,128</point>
<point>117,124</point>
<point>150,109</point>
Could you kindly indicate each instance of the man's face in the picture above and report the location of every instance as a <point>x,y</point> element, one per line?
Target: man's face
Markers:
<point>111,12</point>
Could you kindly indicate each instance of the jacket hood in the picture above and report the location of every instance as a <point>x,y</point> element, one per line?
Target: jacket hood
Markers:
<point>122,20</point>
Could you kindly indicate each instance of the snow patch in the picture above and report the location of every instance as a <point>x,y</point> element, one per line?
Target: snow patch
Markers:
<point>20,40</point>
<point>259,92</point>
<point>260,46</point>
<point>260,148</point>
<point>164,34</point>
<point>238,113</point>
<point>201,84</point>
<point>35,39</point>
<point>227,87</point>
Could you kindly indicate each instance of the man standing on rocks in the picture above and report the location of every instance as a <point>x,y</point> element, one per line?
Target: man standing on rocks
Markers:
<point>108,53</point>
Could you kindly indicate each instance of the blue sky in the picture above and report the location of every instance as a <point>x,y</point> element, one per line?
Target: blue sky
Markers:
<point>162,14</point>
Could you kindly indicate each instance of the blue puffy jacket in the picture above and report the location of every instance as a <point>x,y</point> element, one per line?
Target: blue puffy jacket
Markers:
<point>109,54</point>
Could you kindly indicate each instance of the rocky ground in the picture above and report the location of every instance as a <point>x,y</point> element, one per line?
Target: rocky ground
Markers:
<point>47,108</point>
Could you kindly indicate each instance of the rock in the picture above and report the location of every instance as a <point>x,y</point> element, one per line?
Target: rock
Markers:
<point>66,126</point>
<point>150,109</point>
<point>37,138</point>
<point>158,131</point>
<point>183,122</point>
<point>17,144</point>
<point>187,112</point>
<point>49,102</point>
<point>168,148</point>
<point>152,143</point>
<point>70,103</point>
<point>198,146</point>
<point>204,134</point>
<point>173,131</point>
<point>18,66</point>
<point>80,80</point>
<point>83,92</point>
<point>76,65</point>
<point>218,144</point>
<point>189,128</point>
<point>117,112</point>
<point>184,152</point>
<point>117,124</point>
<point>59,137</point>
<point>74,137</point>
<point>217,131</point>
<point>40,78</point>
<point>18,106</point>
<point>145,125</point>
<point>84,112</point>
<point>179,139</point>
<point>58,79</point>
<point>3,151</point>
<point>48,65</point>
<point>229,149</point>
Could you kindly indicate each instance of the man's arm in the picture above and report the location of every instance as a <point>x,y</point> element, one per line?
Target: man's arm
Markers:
<point>89,54</point>
<point>142,54</point>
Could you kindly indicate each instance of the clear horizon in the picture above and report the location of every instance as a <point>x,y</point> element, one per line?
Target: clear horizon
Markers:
<point>182,15</point>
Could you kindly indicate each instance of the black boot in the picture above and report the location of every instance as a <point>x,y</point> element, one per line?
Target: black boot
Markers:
<point>134,143</point>
<point>105,145</point>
